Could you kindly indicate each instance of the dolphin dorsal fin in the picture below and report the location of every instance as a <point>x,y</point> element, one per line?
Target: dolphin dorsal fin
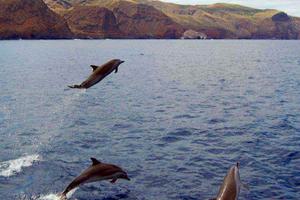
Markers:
<point>94,67</point>
<point>95,161</point>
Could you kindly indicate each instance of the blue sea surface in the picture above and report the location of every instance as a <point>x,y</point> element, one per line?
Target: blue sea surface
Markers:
<point>176,116</point>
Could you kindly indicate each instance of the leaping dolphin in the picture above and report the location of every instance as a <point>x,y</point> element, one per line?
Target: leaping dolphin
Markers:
<point>98,171</point>
<point>99,73</point>
<point>230,188</point>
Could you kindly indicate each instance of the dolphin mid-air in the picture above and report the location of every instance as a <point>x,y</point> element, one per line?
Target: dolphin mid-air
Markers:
<point>99,73</point>
<point>98,171</point>
<point>230,188</point>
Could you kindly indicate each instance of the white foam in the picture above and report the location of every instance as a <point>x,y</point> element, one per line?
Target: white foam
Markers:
<point>50,197</point>
<point>12,167</point>
<point>56,196</point>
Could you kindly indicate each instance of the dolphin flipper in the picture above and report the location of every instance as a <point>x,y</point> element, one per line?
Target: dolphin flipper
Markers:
<point>74,86</point>
<point>116,69</point>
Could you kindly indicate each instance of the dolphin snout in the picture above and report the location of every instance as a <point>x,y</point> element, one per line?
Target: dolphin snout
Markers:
<point>126,177</point>
<point>122,61</point>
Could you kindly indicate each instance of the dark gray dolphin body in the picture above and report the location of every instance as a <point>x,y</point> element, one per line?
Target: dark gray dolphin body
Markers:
<point>230,188</point>
<point>96,172</point>
<point>99,73</point>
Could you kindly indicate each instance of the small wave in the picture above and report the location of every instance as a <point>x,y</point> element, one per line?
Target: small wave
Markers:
<point>171,139</point>
<point>184,117</point>
<point>216,121</point>
<point>181,132</point>
<point>121,126</point>
<point>160,111</point>
<point>12,167</point>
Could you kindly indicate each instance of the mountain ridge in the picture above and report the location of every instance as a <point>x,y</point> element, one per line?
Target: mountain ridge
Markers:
<point>218,21</point>
<point>146,19</point>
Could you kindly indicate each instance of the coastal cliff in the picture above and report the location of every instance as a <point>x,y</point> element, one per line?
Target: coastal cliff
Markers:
<point>93,22</point>
<point>29,19</point>
<point>140,19</point>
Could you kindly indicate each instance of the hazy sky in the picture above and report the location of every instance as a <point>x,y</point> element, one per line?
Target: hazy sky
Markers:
<point>292,7</point>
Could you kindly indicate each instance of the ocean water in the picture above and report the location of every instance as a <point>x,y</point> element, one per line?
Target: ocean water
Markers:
<point>176,116</point>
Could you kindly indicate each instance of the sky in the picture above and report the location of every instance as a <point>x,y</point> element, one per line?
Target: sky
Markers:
<point>292,7</point>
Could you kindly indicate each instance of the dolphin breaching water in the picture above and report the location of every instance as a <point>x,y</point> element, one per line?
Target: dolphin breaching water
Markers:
<point>230,188</point>
<point>99,73</point>
<point>98,171</point>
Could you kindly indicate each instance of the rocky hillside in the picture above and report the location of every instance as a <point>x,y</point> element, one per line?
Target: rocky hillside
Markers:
<point>231,21</point>
<point>93,22</point>
<point>141,19</point>
<point>30,19</point>
<point>216,21</point>
<point>119,20</point>
<point>144,21</point>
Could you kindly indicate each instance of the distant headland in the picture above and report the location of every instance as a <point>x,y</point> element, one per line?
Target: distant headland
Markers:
<point>140,19</point>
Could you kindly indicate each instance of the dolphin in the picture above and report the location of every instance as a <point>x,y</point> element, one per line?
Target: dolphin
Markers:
<point>99,73</point>
<point>98,171</point>
<point>230,188</point>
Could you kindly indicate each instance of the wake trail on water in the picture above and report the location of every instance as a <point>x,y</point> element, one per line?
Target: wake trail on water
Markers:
<point>13,167</point>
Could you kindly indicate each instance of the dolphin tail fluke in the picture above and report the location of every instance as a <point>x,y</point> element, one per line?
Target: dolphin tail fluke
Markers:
<point>74,86</point>
<point>63,196</point>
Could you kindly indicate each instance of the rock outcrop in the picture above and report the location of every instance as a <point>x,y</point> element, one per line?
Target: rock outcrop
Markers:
<point>59,6</point>
<point>30,19</point>
<point>281,17</point>
<point>93,22</point>
<point>191,34</point>
<point>278,26</point>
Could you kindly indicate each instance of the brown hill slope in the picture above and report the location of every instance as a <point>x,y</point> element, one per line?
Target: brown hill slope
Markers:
<point>93,22</point>
<point>144,21</point>
<point>217,20</point>
<point>230,20</point>
<point>127,19</point>
<point>30,20</point>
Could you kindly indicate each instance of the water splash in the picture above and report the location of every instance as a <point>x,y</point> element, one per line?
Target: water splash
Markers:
<point>57,196</point>
<point>12,167</point>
